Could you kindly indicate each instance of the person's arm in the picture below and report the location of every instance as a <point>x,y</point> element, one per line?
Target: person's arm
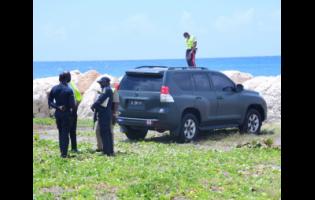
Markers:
<point>194,44</point>
<point>51,96</point>
<point>71,100</point>
<point>101,99</point>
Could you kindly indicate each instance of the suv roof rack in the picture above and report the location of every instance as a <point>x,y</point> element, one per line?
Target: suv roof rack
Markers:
<point>189,68</point>
<point>151,67</point>
<point>171,68</point>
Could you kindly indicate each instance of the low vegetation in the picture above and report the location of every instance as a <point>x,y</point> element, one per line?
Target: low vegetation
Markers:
<point>220,165</point>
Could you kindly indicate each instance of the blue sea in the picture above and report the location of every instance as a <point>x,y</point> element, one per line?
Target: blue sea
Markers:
<point>257,66</point>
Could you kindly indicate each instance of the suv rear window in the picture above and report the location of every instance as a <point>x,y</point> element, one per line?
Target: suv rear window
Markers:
<point>141,83</point>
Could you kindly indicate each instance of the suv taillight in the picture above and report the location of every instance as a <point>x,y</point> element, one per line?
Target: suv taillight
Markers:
<point>165,90</point>
<point>165,95</point>
<point>116,86</point>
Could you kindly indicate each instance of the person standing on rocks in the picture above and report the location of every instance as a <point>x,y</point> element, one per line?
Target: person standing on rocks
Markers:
<point>62,99</point>
<point>103,107</point>
<point>77,98</point>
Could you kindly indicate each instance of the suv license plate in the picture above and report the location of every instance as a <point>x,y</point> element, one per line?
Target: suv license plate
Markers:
<point>136,103</point>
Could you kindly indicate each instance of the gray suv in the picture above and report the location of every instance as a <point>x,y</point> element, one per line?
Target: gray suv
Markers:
<point>185,101</point>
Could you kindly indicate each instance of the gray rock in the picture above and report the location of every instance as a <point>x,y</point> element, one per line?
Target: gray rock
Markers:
<point>41,89</point>
<point>270,88</point>
<point>237,76</point>
<point>90,95</point>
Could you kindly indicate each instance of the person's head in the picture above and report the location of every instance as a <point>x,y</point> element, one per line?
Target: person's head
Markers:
<point>186,35</point>
<point>104,81</point>
<point>68,76</point>
<point>63,77</point>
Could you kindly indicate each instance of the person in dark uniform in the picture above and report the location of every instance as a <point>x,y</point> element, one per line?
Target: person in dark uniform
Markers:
<point>77,98</point>
<point>62,99</point>
<point>103,106</point>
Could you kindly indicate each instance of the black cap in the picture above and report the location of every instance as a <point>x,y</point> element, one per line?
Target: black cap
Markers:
<point>104,80</point>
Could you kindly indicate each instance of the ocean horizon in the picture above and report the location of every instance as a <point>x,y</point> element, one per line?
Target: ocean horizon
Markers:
<point>255,65</point>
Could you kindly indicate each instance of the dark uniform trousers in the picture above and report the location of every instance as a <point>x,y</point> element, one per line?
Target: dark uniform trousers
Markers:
<point>64,121</point>
<point>104,120</point>
<point>73,129</point>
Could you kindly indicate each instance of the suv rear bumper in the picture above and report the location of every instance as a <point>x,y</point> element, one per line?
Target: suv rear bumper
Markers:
<point>147,123</point>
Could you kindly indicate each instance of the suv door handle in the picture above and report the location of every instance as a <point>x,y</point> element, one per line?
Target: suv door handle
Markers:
<point>219,97</point>
<point>198,98</point>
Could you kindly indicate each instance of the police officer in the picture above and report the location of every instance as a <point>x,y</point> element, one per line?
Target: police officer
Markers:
<point>62,99</point>
<point>77,98</point>
<point>103,107</point>
<point>115,104</point>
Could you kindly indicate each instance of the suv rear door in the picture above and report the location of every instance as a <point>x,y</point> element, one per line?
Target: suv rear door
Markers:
<point>205,98</point>
<point>139,94</point>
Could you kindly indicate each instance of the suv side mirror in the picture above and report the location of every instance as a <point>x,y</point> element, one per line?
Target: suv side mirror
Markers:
<point>228,89</point>
<point>239,87</point>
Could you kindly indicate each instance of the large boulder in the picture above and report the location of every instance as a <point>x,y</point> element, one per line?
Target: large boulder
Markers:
<point>237,76</point>
<point>85,80</point>
<point>41,89</point>
<point>270,89</point>
<point>90,95</point>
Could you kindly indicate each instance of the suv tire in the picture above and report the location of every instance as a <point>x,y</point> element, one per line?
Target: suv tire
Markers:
<point>135,133</point>
<point>188,129</point>
<point>252,122</point>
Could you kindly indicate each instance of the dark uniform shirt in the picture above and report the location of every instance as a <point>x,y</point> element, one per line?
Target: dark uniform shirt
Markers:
<point>108,93</point>
<point>63,96</point>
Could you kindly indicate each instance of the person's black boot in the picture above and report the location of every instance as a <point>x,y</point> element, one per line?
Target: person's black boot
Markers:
<point>64,156</point>
<point>75,151</point>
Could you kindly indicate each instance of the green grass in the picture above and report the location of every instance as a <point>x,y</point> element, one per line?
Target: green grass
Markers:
<point>51,121</point>
<point>156,170</point>
<point>44,121</point>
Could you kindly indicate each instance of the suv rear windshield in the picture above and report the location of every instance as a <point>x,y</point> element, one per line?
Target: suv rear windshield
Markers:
<point>141,83</point>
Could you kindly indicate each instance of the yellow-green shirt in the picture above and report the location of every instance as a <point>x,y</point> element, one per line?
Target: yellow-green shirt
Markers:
<point>76,92</point>
<point>190,42</point>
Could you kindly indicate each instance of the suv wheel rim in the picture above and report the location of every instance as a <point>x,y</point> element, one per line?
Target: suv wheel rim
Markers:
<point>253,123</point>
<point>189,128</point>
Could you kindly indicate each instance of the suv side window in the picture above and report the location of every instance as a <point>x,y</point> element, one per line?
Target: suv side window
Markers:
<point>183,81</point>
<point>220,81</point>
<point>202,82</point>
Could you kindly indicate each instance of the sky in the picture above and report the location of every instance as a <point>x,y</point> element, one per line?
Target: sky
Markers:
<point>77,30</point>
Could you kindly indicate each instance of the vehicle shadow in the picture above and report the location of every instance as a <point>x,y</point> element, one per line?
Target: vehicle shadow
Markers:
<point>215,135</point>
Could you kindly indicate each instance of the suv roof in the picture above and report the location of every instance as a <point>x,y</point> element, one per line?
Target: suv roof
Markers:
<point>159,69</point>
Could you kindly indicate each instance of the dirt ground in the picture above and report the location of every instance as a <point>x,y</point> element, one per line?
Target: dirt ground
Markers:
<point>222,140</point>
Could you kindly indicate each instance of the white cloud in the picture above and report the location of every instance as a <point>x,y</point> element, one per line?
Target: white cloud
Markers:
<point>138,23</point>
<point>235,21</point>
<point>277,14</point>
<point>55,32</point>
<point>271,22</point>
<point>186,21</point>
